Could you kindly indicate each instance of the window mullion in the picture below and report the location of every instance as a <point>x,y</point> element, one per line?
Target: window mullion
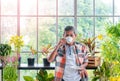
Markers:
<point>0,21</point>
<point>94,17</point>
<point>56,21</point>
<point>113,11</point>
<point>75,14</point>
<point>18,17</point>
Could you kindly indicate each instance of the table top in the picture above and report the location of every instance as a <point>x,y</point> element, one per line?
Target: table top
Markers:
<point>40,66</point>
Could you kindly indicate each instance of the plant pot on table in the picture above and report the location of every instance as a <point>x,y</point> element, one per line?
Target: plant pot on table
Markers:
<point>45,62</point>
<point>31,61</point>
<point>19,61</point>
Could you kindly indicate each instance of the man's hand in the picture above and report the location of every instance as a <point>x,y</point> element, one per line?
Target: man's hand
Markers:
<point>52,56</point>
<point>83,73</point>
<point>62,42</point>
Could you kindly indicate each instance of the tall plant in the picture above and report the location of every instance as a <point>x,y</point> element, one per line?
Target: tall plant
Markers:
<point>111,48</point>
<point>113,31</point>
<point>17,42</point>
<point>10,73</point>
<point>111,54</point>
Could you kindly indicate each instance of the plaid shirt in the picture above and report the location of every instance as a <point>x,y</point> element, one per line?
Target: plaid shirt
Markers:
<point>80,56</point>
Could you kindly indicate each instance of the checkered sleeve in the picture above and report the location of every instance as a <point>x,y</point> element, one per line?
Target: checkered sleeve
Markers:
<point>60,53</point>
<point>85,54</point>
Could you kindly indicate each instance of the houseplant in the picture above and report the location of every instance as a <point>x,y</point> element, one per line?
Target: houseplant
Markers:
<point>5,50</point>
<point>90,43</point>
<point>43,75</point>
<point>94,61</point>
<point>17,43</point>
<point>31,59</point>
<point>10,73</point>
<point>10,69</point>
<point>45,51</point>
<point>110,51</point>
<point>111,48</point>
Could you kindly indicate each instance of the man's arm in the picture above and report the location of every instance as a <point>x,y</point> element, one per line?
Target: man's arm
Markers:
<point>85,56</point>
<point>52,56</point>
<point>84,65</point>
<point>83,72</point>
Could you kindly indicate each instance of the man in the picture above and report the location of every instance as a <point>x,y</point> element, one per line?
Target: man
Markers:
<point>71,58</point>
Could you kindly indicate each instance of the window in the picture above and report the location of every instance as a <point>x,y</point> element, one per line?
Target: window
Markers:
<point>42,21</point>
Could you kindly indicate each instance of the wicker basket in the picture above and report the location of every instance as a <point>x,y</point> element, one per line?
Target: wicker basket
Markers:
<point>93,61</point>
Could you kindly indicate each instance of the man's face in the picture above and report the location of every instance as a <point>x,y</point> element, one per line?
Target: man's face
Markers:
<point>70,34</point>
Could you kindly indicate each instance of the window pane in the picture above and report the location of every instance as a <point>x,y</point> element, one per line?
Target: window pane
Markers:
<point>47,7</point>
<point>9,27</point>
<point>85,26</point>
<point>8,7</point>
<point>117,7</point>
<point>65,7</point>
<point>117,20</point>
<point>47,31</point>
<point>40,58</point>
<point>31,73</point>
<point>29,30</point>
<point>85,7</point>
<point>62,23</point>
<point>103,7</point>
<point>28,7</point>
<point>100,23</point>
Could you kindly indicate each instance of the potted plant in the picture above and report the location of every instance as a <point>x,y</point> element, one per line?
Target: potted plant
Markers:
<point>5,50</point>
<point>10,73</point>
<point>17,43</point>
<point>109,70</point>
<point>110,50</point>
<point>45,51</point>
<point>31,59</point>
<point>94,61</point>
<point>43,75</point>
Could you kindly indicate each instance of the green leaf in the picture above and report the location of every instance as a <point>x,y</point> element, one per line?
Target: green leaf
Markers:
<point>28,78</point>
<point>95,78</point>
